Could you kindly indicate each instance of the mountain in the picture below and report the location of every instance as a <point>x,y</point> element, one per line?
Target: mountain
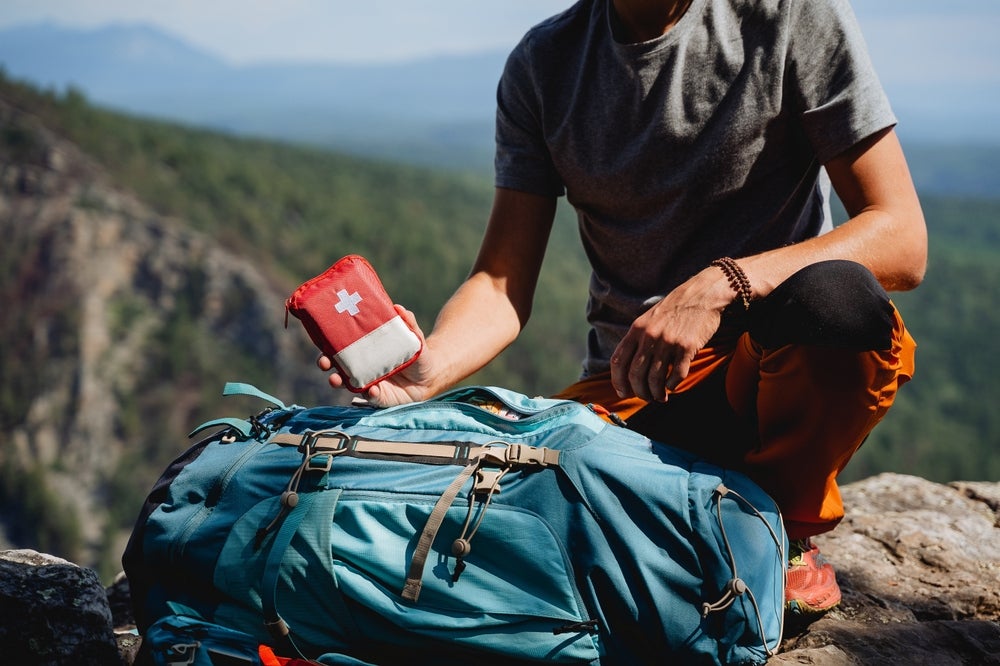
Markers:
<point>422,110</point>
<point>113,62</point>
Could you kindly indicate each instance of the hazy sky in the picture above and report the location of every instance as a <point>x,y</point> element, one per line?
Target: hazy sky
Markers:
<point>909,38</point>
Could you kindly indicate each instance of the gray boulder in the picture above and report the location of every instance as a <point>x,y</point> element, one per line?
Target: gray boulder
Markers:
<point>53,612</point>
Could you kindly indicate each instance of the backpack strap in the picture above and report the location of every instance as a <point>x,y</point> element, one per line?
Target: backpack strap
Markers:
<point>239,388</point>
<point>339,442</point>
<point>506,457</point>
<point>414,578</point>
<point>241,426</point>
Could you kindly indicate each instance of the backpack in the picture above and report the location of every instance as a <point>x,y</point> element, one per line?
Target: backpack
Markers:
<point>480,524</point>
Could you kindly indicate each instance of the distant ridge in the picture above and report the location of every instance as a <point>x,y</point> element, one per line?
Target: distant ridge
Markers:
<point>417,111</point>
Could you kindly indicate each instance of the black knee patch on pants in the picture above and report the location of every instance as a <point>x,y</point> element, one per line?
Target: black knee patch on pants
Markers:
<point>832,304</point>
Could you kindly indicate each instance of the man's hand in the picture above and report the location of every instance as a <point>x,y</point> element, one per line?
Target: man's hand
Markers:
<point>409,385</point>
<point>656,353</point>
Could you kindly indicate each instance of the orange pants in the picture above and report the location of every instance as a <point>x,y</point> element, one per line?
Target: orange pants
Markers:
<point>790,417</point>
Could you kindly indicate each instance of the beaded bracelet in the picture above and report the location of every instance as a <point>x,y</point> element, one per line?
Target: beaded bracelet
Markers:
<point>738,280</point>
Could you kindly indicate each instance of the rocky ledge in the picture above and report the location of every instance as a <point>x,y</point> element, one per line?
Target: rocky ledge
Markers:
<point>919,566</point>
<point>918,562</point>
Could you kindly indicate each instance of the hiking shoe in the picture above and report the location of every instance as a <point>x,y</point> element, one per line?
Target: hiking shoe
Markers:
<point>810,583</point>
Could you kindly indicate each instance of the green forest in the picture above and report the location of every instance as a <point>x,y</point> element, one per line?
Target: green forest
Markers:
<point>296,209</point>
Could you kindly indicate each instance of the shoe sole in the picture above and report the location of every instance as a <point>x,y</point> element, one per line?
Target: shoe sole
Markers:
<point>797,607</point>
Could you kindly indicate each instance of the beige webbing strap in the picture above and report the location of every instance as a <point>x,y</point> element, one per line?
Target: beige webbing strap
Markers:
<point>411,590</point>
<point>417,449</point>
<point>286,439</point>
<point>459,451</point>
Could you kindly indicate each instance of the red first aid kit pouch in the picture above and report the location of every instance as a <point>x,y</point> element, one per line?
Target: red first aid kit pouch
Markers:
<point>350,317</point>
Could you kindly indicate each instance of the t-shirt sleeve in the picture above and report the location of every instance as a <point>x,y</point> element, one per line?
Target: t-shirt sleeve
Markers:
<point>522,161</point>
<point>839,95</point>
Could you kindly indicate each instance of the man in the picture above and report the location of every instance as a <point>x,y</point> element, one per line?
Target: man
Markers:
<point>727,315</point>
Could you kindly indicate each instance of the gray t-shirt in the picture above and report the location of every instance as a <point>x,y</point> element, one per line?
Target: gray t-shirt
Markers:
<point>705,142</point>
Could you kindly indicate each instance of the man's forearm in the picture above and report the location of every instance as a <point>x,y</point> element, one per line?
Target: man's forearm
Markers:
<point>474,326</point>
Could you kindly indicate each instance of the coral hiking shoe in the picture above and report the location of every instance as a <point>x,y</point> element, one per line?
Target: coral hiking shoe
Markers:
<point>810,583</point>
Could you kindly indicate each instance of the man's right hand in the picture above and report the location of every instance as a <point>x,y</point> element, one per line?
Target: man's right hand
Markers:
<point>411,384</point>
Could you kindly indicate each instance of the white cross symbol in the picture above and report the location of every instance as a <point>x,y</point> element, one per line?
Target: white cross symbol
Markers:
<point>348,302</point>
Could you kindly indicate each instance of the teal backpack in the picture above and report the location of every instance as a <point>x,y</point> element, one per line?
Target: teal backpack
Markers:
<point>480,525</point>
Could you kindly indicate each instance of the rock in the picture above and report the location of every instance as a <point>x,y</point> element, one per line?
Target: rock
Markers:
<point>53,612</point>
<point>129,643</point>
<point>919,566</point>
<point>120,603</point>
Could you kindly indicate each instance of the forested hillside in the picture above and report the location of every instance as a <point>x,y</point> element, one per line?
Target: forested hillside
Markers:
<point>945,425</point>
<point>287,213</point>
<point>295,211</point>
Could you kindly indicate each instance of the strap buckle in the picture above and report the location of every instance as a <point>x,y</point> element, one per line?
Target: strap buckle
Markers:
<point>523,454</point>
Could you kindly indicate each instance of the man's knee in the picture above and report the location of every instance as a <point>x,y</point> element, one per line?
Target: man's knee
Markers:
<point>831,303</point>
